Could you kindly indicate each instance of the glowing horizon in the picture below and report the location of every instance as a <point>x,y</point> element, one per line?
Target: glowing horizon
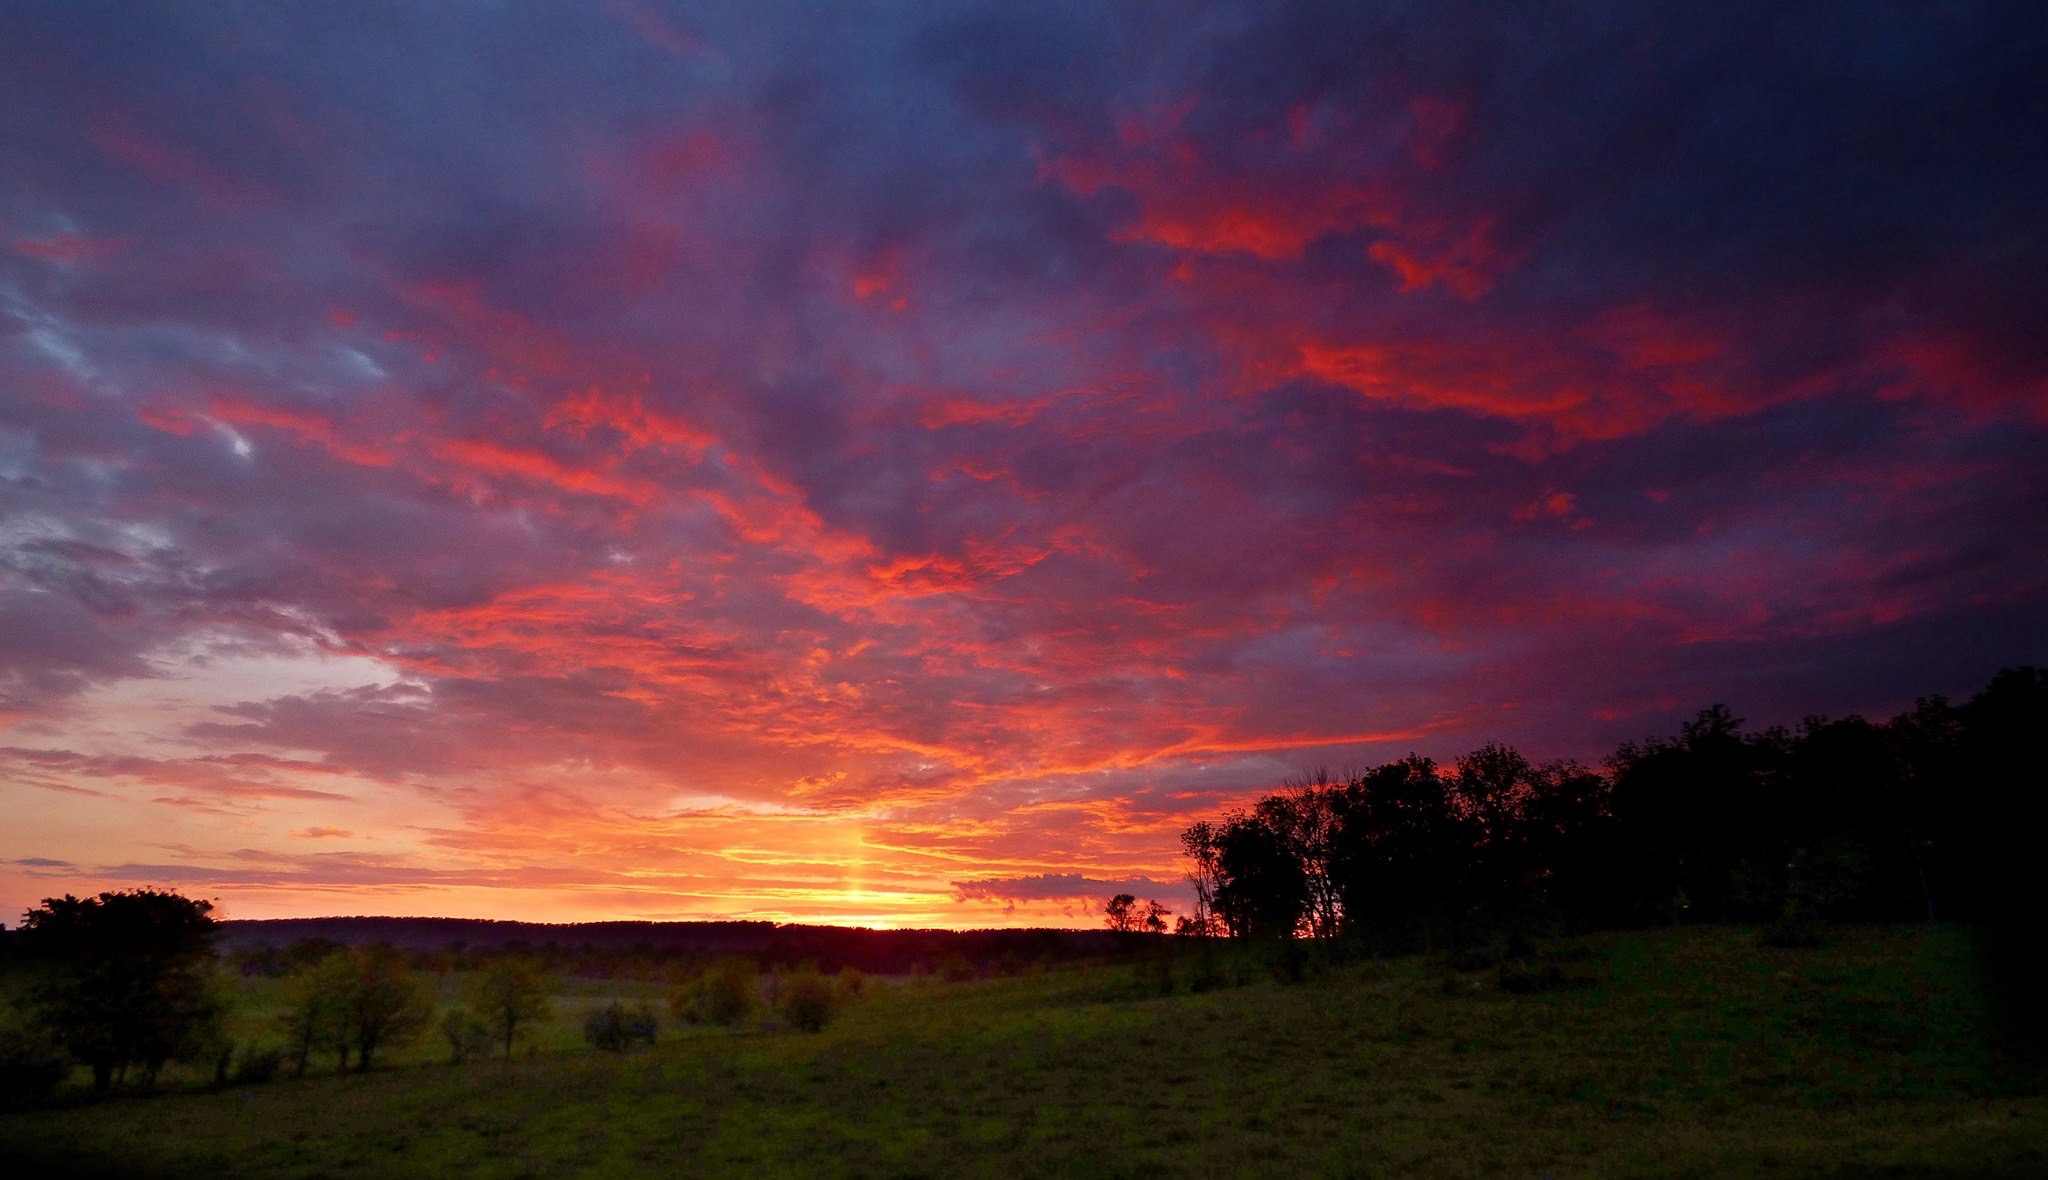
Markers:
<point>901,464</point>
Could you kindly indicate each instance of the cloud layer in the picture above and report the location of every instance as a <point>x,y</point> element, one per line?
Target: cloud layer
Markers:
<point>897,464</point>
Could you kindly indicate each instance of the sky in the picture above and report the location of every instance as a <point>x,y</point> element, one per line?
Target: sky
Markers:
<point>899,464</point>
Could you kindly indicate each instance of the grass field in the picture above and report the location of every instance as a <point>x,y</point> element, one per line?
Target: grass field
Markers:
<point>1689,1053</point>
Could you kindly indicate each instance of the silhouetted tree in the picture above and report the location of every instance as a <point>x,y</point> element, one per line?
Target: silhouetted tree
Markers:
<point>1569,837</point>
<point>1932,814</point>
<point>1155,918</point>
<point>2000,782</point>
<point>1304,817</point>
<point>1396,853</point>
<point>123,977</point>
<point>1119,913</point>
<point>1198,844</point>
<point>1262,891</point>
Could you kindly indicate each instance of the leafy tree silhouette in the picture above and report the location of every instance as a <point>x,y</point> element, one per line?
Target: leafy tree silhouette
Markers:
<point>1120,914</point>
<point>1262,890</point>
<point>122,977</point>
<point>2001,781</point>
<point>1930,815</point>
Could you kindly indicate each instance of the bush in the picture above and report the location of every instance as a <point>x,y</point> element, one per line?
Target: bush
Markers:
<point>1790,934</point>
<point>807,1001</point>
<point>723,995</point>
<point>614,1027</point>
<point>852,985</point>
<point>1474,958</point>
<point>258,1065</point>
<point>467,1037</point>
<point>31,1062</point>
<point>1526,979</point>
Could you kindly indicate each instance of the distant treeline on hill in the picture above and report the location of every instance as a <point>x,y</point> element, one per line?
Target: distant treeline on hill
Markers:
<point>1933,815</point>
<point>600,949</point>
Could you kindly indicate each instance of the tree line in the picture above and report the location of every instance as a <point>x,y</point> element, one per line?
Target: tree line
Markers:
<point>1930,816</point>
<point>127,982</point>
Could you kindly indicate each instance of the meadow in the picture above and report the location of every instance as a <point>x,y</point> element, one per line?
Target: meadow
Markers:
<point>1694,1052</point>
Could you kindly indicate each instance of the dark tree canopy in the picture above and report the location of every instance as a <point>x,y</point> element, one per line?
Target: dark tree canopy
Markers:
<point>1918,818</point>
<point>122,978</point>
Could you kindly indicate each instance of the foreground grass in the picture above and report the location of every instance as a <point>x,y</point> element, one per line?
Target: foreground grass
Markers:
<point>1692,1054</point>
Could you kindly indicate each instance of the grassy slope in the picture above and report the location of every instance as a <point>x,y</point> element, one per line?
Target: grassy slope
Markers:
<point>1694,1055</point>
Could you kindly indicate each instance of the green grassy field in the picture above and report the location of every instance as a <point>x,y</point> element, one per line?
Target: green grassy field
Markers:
<point>1691,1053</point>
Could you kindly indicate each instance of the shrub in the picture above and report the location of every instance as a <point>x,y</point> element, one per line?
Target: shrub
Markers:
<point>723,995</point>
<point>1790,934</point>
<point>468,1038</point>
<point>852,985</point>
<point>807,1001</point>
<point>31,1062</point>
<point>615,1026</point>
<point>1474,958</point>
<point>1525,979</point>
<point>258,1065</point>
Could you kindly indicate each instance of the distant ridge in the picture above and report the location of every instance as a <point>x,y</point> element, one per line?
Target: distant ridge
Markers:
<point>827,946</point>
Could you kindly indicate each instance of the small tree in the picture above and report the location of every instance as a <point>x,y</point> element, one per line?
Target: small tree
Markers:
<point>507,995</point>
<point>388,1004</point>
<point>315,1017</point>
<point>1120,914</point>
<point>1199,844</point>
<point>468,1039</point>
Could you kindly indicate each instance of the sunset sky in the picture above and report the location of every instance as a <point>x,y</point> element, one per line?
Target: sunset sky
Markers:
<point>898,464</point>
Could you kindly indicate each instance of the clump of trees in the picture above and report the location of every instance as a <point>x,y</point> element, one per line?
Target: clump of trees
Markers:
<point>1832,820</point>
<point>1123,915</point>
<point>122,980</point>
<point>360,1000</point>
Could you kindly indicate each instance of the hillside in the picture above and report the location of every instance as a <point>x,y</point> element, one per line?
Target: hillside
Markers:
<point>1677,1053</point>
